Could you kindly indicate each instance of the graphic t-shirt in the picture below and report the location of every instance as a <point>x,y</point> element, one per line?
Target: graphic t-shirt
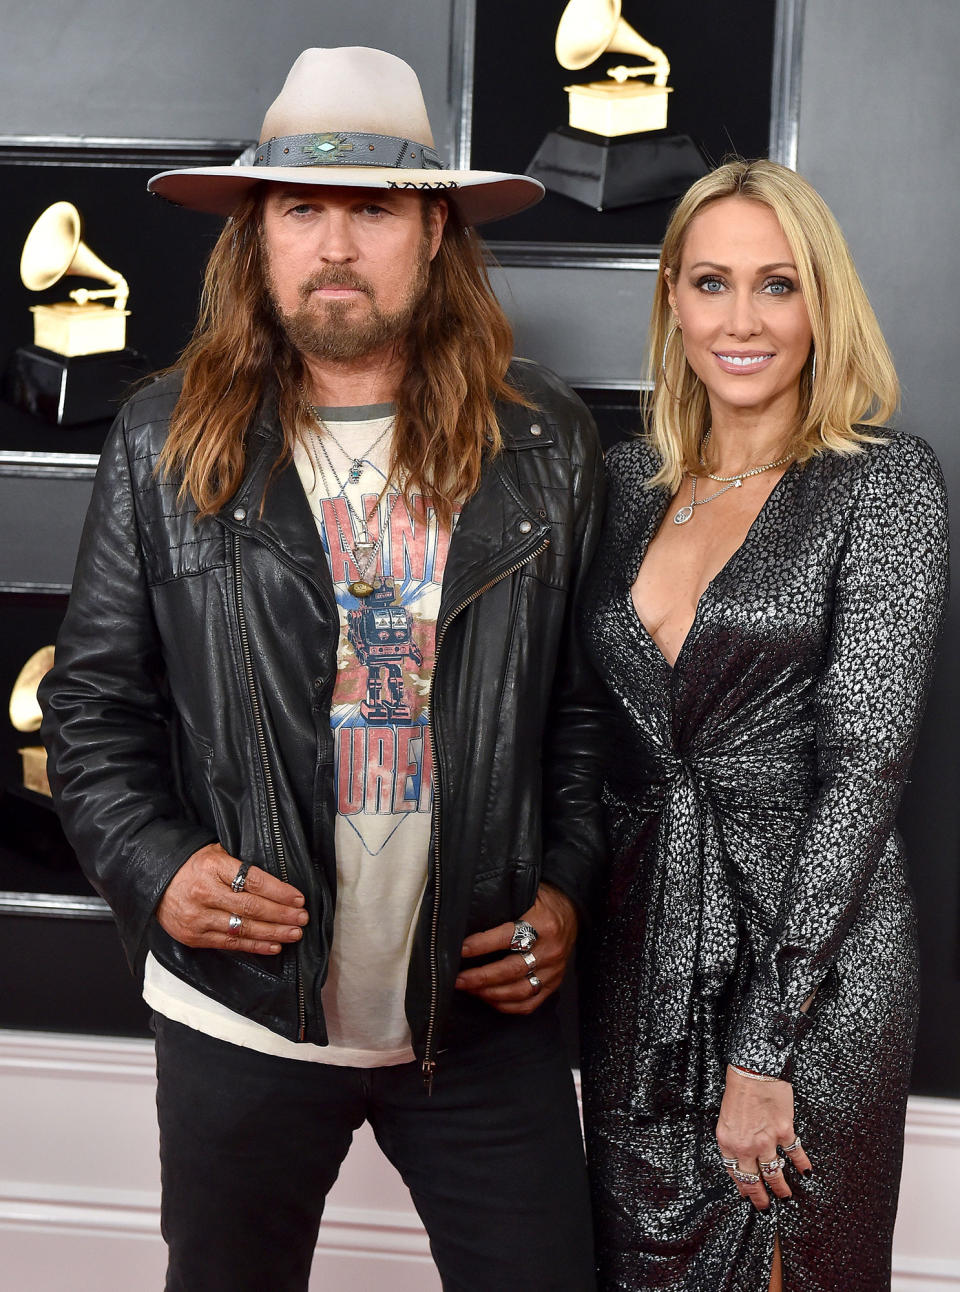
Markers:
<point>383,767</point>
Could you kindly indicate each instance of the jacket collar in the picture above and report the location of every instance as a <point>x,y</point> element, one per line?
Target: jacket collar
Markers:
<point>496,527</point>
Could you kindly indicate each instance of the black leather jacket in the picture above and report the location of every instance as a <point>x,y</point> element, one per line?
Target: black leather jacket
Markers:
<point>190,701</point>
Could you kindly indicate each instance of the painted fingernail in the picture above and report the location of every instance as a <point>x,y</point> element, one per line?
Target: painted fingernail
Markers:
<point>807,1173</point>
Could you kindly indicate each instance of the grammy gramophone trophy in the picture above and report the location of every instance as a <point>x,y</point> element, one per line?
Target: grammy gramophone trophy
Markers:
<point>26,716</point>
<point>79,364</point>
<point>615,151</point>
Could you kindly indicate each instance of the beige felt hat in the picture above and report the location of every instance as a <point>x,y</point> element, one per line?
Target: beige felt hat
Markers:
<point>353,117</point>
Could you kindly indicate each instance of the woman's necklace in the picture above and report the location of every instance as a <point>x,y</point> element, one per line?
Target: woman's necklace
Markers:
<point>729,482</point>
<point>364,550</point>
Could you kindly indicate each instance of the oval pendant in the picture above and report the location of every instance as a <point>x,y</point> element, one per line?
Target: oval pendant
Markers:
<point>683,515</point>
<point>360,588</point>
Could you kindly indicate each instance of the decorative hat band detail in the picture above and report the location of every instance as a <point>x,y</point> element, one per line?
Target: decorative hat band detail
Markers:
<point>347,149</point>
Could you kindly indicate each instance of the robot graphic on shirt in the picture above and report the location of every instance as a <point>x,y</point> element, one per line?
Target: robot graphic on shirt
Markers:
<point>382,636</point>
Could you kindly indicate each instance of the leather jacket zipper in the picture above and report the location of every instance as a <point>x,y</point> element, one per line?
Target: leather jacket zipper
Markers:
<point>429,1064</point>
<point>273,812</point>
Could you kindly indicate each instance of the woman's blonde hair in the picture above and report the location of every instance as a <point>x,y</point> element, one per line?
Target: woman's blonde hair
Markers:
<point>855,383</point>
<point>457,353</point>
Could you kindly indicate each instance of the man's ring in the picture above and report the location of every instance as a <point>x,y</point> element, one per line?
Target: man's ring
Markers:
<point>529,959</point>
<point>795,1147</point>
<point>240,878</point>
<point>773,1168</point>
<point>746,1177</point>
<point>535,983</point>
<point>524,936</point>
<point>236,923</point>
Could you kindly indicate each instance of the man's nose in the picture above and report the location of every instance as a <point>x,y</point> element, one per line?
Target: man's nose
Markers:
<point>338,245</point>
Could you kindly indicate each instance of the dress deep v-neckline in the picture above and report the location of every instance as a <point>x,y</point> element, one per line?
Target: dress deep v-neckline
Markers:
<point>648,537</point>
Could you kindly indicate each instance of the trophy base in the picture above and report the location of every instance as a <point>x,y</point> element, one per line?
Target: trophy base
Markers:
<point>607,173</point>
<point>68,391</point>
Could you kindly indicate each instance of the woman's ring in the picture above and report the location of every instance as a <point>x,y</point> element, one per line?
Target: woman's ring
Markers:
<point>240,878</point>
<point>535,983</point>
<point>731,1163</point>
<point>773,1168</point>
<point>746,1177</point>
<point>236,923</point>
<point>795,1147</point>
<point>524,936</point>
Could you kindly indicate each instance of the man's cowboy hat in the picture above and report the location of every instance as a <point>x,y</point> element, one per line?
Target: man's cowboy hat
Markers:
<point>353,117</point>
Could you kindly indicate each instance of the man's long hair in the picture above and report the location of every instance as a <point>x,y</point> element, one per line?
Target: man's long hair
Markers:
<point>456,355</point>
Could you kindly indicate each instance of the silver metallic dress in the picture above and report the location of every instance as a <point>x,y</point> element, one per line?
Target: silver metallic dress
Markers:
<point>751,794</point>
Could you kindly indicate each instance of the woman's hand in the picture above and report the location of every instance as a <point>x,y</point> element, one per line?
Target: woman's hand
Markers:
<point>755,1123</point>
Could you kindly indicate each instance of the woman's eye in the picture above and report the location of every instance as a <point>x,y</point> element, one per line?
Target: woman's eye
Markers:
<point>778,286</point>
<point>710,284</point>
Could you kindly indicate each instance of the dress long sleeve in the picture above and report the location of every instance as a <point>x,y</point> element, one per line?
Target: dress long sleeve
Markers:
<point>888,605</point>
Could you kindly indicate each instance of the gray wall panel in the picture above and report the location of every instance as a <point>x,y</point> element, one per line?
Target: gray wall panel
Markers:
<point>589,325</point>
<point>188,70</point>
<point>41,523</point>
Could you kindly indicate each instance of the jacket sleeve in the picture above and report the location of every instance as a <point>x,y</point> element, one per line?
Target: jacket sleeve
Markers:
<point>574,849</point>
<point>105,722</point>
<point>889,601</point>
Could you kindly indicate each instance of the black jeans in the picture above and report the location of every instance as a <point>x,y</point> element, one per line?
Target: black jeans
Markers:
<point>251,1144</point>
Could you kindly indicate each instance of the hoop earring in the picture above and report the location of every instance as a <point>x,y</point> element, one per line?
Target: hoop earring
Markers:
<point>663,361</point>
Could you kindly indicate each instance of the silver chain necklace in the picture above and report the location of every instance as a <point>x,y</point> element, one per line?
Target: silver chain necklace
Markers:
<point>729,482</point>
<point>355,470</point>
<point>363,550</point>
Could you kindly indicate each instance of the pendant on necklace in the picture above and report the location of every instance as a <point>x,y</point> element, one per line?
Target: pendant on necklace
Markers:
<point>363,550</point>
<point>356,469</point>
<point>683,515</point>
<point>360,588</point>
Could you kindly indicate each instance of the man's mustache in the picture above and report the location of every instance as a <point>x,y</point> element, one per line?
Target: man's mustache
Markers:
<point>333,277</point>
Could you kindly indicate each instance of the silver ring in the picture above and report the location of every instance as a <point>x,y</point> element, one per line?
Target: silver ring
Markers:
<point>524,936</point>
<point>236,923</point>
<point>240,878</point>
<point>535,983</point>
<point>773,1168</point>
<point>529,959</point>
<point>747,1177</point>
<point>795,1147</point>
<point>731,1163</point>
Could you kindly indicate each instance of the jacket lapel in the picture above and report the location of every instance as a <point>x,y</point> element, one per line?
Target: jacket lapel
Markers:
<point>271,506</point>
<point>497,527</point>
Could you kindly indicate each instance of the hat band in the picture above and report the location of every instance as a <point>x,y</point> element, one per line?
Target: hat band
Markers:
<point>343,149</point>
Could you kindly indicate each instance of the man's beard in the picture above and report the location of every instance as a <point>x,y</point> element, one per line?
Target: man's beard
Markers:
<point>340,330</point>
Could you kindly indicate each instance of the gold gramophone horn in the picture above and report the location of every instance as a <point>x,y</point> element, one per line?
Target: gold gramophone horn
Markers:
<point>54,249</point>
<point>589,28</point>
<point>25,711</point>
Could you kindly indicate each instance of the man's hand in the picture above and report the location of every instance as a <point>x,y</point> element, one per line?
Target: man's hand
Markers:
<point>504,983</point>
<point>198,903</point>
